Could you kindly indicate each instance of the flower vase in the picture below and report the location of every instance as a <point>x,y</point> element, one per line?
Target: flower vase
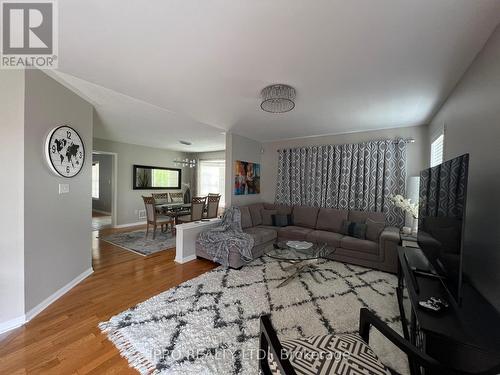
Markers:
<point>414,228</point>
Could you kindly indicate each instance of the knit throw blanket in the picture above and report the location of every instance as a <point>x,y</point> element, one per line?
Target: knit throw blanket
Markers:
<point>228,235</point>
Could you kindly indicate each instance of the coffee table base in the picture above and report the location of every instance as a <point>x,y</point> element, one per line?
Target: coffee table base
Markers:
<point>302,266</point>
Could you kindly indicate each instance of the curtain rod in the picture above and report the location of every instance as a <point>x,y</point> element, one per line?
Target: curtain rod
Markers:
<point>407,140</point>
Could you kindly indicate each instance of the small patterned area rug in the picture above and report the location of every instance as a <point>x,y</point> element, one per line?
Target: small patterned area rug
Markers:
<point>137,242</point>
<point>210,324</point>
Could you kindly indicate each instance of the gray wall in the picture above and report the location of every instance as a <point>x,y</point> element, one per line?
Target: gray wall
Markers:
<point>471,116</point>
<point>104,203</point>
<point>57,235</point>
<point>129,201</point>
<point>244,149</point>
<point>418,152</point>
<point>12,196</point>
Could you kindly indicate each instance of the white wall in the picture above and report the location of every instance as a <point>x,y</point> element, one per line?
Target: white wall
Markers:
<point>471,116</point>
<point>211,155</point>
<point>57,227</point>
<point>244,149</point>
<point>12,198</point>
<point>128,200</point>
<point>418,152</point>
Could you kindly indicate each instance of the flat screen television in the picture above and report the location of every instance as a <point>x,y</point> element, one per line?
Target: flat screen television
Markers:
<point>441,224</point>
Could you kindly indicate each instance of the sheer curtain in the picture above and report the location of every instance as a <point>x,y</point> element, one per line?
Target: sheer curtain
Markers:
<point>351,176</point>
<point>211,176</point>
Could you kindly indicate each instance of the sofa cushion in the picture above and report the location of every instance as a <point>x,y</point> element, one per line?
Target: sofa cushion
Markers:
<point>279,220</point>
<point>255,213</point>
<point>350,228</point>
<point>364,246</point>
<point>330,219</point>
<point>246,219</point>
<point>304,216</point>
<point>266,216</point>
<point>293,233</point>
<point>373,229</point>
<point>261,235</point>
<point>361,216</point>
<point>269,227</point>
<point>281,208</point>
<point>321,236</point>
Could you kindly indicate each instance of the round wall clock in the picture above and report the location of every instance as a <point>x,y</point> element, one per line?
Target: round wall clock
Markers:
<point>64,151</point>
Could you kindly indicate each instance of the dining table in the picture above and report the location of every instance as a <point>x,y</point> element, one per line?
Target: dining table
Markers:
<point>173,210</point>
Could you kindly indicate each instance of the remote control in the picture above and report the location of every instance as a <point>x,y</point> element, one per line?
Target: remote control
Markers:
<point>439,301</point>
<point>430,306</point>
<point>434,304</point>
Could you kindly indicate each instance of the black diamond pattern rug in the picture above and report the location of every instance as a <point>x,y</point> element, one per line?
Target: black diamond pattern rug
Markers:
<point>210,324</point>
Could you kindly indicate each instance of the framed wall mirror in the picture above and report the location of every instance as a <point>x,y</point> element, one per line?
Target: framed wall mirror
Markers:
<point>146,177</point>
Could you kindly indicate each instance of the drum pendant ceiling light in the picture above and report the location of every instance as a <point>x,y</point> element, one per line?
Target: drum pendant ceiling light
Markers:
<point>278,98</point>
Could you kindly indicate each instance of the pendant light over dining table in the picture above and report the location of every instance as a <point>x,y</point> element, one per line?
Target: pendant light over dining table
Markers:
<point>278,98</point>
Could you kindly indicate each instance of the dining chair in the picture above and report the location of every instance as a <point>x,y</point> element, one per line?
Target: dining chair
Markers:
<point>177,197</point>
<point>341,354</point>
<point>212,205</point>
<point>152,217</point>
<point>160,198</point>
<point>197,208</point>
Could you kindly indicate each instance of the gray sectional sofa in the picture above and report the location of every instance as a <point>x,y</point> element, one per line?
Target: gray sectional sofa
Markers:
<point>320,225</point>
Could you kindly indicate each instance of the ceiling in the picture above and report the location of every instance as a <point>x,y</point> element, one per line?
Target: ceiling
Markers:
<point>122,118</point>
<point>162,70</point>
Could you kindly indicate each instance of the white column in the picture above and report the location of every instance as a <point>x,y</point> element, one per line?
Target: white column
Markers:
<point>185,242</point>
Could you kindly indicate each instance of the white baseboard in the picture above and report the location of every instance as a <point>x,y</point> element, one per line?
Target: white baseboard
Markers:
<point>19,321</point>
<point>130,224</point>
<point>58,294</point>
<point>12,323</point>
<point>186,259</point>
<point>102,212</point>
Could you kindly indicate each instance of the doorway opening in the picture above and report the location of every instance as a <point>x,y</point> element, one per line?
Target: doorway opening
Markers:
<point>103,190</point>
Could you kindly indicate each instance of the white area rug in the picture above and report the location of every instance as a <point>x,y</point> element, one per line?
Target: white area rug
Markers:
<point>210,324</point>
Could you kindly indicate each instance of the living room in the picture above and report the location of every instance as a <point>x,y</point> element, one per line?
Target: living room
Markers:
<point>286,178</point>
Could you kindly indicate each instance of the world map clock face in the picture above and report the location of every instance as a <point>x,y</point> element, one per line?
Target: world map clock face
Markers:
<point>65,151</point>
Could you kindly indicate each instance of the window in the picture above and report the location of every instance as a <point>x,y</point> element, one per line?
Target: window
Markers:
<point>95,180</point>
<point>211,178</point>
<point>437,149</point>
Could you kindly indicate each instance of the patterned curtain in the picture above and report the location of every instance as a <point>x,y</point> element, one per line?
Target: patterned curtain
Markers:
<point>351,176</point>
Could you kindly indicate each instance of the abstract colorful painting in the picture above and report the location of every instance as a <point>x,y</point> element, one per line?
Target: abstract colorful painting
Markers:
<point>246,178</point>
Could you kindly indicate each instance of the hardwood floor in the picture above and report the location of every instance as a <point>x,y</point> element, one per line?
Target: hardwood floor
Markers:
<point>65,339</point>
<point>98,214</point>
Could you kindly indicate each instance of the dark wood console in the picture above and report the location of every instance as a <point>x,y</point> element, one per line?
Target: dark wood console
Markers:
<point>465,337</point>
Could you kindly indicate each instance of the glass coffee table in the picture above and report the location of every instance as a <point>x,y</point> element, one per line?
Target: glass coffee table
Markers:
<point>302,260</point>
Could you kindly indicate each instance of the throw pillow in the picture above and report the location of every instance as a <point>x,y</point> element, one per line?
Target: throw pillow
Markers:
<point>353,229</point>
<point>267,216</point>
<point>373,229</point>
<point>281,220</point>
